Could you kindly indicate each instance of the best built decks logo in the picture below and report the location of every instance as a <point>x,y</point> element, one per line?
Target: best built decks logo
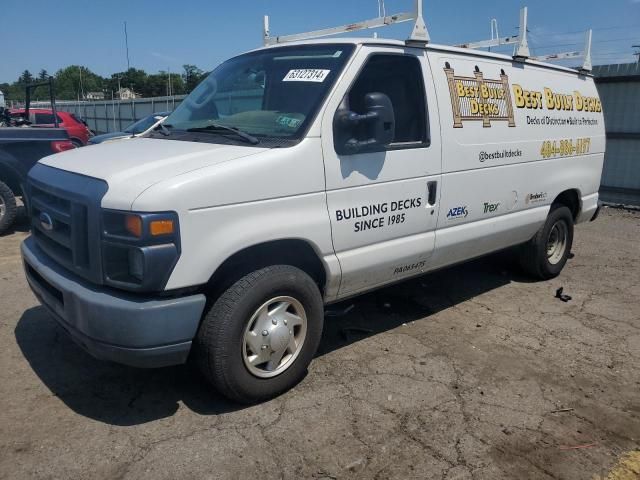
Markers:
<point>457,212</point>
<point>479,99</point>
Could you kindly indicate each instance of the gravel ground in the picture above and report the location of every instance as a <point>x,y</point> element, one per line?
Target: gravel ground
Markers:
<point>468,373</point>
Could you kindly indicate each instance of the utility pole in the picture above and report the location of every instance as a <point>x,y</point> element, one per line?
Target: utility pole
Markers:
<point>637,52</point>
<point>126,43</point>
<point>81,87</point>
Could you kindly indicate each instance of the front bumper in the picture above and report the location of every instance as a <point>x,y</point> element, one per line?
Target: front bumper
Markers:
<point>113,325</point>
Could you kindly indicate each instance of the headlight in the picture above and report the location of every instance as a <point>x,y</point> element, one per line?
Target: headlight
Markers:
<point>139,250</point>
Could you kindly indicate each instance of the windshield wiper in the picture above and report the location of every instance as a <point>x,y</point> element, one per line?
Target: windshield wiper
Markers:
<point>165,131</point>
<point>217,126</point>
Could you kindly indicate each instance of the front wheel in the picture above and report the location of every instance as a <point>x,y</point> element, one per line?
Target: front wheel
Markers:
<point>545,255</point>
<point>8,207</point>
<point>259,336</point>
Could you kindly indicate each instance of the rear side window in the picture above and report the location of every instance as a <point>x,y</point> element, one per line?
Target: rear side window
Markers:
<point>45,119</point>
<point>400,78</point>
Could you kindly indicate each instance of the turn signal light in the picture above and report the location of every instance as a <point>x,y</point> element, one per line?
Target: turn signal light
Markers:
<point>161,227</point>
<point>133,224</point>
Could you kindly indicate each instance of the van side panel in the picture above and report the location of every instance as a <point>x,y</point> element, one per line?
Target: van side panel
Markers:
<point>514,136</point>
<point>217,221</point>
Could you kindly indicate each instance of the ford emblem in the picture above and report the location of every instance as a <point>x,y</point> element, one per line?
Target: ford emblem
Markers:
<point>46,222</point>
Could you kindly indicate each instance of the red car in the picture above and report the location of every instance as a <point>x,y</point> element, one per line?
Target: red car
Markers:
<point>79,133</point>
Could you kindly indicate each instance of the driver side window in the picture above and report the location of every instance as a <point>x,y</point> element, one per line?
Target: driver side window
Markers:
<point>400,78</point>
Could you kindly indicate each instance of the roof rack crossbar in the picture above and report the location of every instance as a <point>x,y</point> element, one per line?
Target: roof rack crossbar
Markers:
<point>585,54</point>
<point>418,34</point>
<point>520,40</point>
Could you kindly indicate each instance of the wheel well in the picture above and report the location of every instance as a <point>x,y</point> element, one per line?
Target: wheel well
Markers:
<point>570,199</point>
<point>297,253</point>
<point>11,179</point>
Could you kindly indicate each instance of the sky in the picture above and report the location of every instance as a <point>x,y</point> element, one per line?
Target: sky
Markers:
<point>165,35</point>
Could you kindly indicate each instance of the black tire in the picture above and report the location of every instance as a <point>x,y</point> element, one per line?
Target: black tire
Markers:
<point>219,348</point>
<point>534,256</point>
<point>8,208</point>
<point>76,143</point>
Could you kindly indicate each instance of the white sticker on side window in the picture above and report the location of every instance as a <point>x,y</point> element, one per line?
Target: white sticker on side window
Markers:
<point>306,75</point>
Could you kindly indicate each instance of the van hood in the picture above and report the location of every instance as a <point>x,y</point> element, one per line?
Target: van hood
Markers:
<point>131,167</point>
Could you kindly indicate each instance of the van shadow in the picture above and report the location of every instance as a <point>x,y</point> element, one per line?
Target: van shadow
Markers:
<point>369,165</point>
<point>416,299</point>
<point>124,396</point>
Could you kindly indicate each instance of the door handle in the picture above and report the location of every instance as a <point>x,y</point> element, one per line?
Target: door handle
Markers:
<point>432,189</point>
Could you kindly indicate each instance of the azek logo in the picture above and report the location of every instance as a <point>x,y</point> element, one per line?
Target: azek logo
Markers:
<point>491,207</point>
<point>457,212</point>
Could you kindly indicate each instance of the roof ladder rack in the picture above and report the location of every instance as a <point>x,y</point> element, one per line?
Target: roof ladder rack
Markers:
<point>419,34</point>
<point>521,51</point>
<point>586,54</point>
<point>520,40</point>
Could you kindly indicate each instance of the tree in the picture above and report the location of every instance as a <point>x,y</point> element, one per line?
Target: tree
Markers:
<point>75,81</point>
<point>134,78</point>
<point>43,75</point>
<point>192,76</point>
<point>25,77</point>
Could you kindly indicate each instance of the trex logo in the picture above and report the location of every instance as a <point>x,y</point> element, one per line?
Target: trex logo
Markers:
<point>457,212</point>
<point>490,207</point>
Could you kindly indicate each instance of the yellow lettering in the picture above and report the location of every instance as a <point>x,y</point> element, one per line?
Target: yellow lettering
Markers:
<point>474,107</point>
<point>518,95</point>
<point>460,88</point>
<point>549,98</point>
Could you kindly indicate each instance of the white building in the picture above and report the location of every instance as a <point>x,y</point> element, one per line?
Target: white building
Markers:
<point>126,94</point>
<point>95,95</point>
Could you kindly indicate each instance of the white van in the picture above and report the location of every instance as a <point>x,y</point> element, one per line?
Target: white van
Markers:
<point>298,175</point>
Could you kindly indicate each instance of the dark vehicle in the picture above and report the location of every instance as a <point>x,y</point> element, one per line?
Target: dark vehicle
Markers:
<point>133,130</point>
<point>20,149</point>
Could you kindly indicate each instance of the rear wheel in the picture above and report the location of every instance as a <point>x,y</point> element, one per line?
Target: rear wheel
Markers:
<point>76,143</point>
<point>8,207</point>
<point>259,336</point>
<point>545,255</point>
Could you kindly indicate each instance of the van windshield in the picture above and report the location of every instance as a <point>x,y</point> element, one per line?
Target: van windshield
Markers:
<point>269,93</point>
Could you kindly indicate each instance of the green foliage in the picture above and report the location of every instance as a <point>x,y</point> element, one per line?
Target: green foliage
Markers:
<point>192,76</point>
<point>75,81</point>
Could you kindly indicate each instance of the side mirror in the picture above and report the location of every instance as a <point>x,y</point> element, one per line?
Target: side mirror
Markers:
<point>369,132</point>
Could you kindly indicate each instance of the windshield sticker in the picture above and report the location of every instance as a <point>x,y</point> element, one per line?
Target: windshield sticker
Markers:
<point>306,75</point>
<point>288,122</point>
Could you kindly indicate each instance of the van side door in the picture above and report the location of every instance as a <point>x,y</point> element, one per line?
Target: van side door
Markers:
<point>383,202</point>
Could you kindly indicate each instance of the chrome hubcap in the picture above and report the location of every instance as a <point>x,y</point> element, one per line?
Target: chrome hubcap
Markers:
<point>274,336</point>
<point>3,208</point>
<point>557,242</point>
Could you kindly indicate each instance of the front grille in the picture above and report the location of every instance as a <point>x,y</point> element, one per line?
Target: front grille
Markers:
<point>64,208</point>
<point>67,239</point>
